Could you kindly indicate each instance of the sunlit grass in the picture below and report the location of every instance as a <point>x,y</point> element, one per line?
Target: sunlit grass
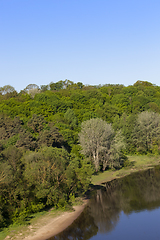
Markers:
<point>136,163</point>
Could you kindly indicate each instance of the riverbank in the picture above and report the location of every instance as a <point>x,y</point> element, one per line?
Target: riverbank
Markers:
<point>57,224</point>
<point>51,223</point>
<point>44,225</point>
<point>135,163</point>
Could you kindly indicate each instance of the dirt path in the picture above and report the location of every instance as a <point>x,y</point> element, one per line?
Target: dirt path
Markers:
<point>55,225</point>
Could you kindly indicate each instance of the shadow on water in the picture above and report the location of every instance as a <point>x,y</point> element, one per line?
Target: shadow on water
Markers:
<point>82,228</point>
<point>133,193</point>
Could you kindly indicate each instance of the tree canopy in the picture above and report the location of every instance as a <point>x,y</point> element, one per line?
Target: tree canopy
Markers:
<point>51,137</point>
<point>146,133</point>
<point>99,142</point>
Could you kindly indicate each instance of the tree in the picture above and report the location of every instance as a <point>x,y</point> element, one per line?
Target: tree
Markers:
<point>147,131</point>
<point>142,83</point>
<point>56,86</point>
<point>31,86</point>
<point>98,141</point>
<point>71,118</point>
<point>9,127</point>
<point>67,83</point>
<point>44,88</point>
<point>52,175</point>
<point>10,183</point>
<point>45,173</point>
<point>80,85</point>
<point>32,89</point>
<point>36,123</point>
<point>26,141</point>
<point>51,137</point>
<point>125,124</point>
<point>6,89</point>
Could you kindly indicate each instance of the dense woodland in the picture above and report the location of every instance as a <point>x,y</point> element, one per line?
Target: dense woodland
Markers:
<point>54,137</point>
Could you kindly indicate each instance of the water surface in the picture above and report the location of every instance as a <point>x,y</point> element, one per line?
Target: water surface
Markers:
<point>127,208</point>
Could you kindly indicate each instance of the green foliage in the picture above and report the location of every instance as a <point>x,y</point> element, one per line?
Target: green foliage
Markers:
<point>76,150</point>
<point>70,137</point>
<point>126,124</point>
<point>6,89</point>
<point>70,118</point>
<point>10,141</point>
<point>48,177</point>
<point>26,141</point>
<point>41,160</point>
<point>50,137</point>
<point>146,132</point>
<point>36,123</point>
<point>44,88</point>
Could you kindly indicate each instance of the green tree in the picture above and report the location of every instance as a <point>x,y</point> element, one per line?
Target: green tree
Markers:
<point>70,118</point>
<point>125,124</point>
<point>50,137</point>
<point>56,86</point>
<point>80,85</point>
<point>44,88</point>
<point>36,123</point>
<point>146,132</point>
<point>26,141</point>
<point>10,183</point>
<point>9,127</point>
<point>6,89</point>
<point>52,175</point>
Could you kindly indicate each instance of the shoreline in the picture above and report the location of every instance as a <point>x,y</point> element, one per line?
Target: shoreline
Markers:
<point>56,224</point>
<point>64,220</point>
<point>53,225</point>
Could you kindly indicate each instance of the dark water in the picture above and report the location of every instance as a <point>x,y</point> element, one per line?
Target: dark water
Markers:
<point>124,209</point>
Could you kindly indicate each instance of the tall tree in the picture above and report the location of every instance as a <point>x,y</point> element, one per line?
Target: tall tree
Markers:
<point>147,131</point>
<point>98,141</point>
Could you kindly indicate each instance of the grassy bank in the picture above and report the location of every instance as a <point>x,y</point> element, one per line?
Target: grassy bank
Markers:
<point>135,163</point>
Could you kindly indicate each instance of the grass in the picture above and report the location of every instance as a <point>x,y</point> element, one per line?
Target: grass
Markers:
<point>136,163</point>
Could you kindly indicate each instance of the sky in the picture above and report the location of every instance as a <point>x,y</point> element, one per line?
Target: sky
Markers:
<point>89,41</point>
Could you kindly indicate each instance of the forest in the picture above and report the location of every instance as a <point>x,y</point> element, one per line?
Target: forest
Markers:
<point>54,137</point>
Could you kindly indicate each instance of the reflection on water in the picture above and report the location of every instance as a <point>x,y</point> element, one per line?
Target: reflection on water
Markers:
<point>120,203</point>
<point>82,228</point>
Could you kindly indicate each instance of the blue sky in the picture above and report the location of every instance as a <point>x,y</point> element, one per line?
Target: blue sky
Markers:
<point>89,41</point>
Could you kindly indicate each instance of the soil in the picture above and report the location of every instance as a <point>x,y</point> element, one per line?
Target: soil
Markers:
<point>54,225</point>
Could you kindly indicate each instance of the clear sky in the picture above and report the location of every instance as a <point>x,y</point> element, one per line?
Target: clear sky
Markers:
<point>89,41</point>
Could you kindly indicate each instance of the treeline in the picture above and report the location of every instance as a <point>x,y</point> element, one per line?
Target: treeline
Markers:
<point>65,105</point>
<point>43,158</point>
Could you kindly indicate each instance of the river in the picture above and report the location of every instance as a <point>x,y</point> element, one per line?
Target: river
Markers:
<point>126,208</point>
